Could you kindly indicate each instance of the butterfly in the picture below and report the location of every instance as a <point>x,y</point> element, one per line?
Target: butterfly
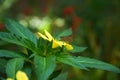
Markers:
<point>67,39</point>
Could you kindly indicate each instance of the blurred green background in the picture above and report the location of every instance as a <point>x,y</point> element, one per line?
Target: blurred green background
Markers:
<point>95,25</point>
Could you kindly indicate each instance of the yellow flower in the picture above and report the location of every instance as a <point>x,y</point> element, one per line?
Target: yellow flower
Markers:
<point>47,36</point>
<point>55,43</point>
<point>20,76</point>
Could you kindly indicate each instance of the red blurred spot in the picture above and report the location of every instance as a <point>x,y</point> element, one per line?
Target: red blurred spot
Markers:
<point>77,20</point>
<point>27,11</point>
<point>75,23</point>
<point>68,10</point>
<point>45,9</point>
<point>2,26</point>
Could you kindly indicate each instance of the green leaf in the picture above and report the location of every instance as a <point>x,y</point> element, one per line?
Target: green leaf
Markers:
<point>2,43</point>
<point>2,65</point>
<point>78,49</point>
<point>16,28</point>
<point>12,38</point>
<point>70,60</point>
<point>28,70</point>
<point>65,33</point>
<point>55,74</point>
<point>13,66</point>
<point>84,63</point>
<point>44,66</point>
<point>11,54</point>
<point>62,76</point>
<point>93,63</point>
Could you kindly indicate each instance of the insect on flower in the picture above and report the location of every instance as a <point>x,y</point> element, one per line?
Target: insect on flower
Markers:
<point>55,43</point>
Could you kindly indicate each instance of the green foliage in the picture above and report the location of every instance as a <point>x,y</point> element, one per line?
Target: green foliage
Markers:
<point>44,66</point>
<point>42,58</point>
<point>10,54</point>
<point>13,66</point>
<point>13,38</point>
<point>69,60</point>
<point>78,49</point>
<point>84,63</point>
<point>2,65</point>
<point>93,63</point>
<point>55,74</point>
<point>62,76</point>
<point>18,29</point>
<point>27,69</point>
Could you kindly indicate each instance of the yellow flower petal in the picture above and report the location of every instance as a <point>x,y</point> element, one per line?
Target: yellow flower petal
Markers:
<point>49,36</point>
<point>69,47</point>
<point>62,43</point>
<point>21,76</point>
<point>56,44</point>
<point>41,35</point>
<point>9,79</point>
